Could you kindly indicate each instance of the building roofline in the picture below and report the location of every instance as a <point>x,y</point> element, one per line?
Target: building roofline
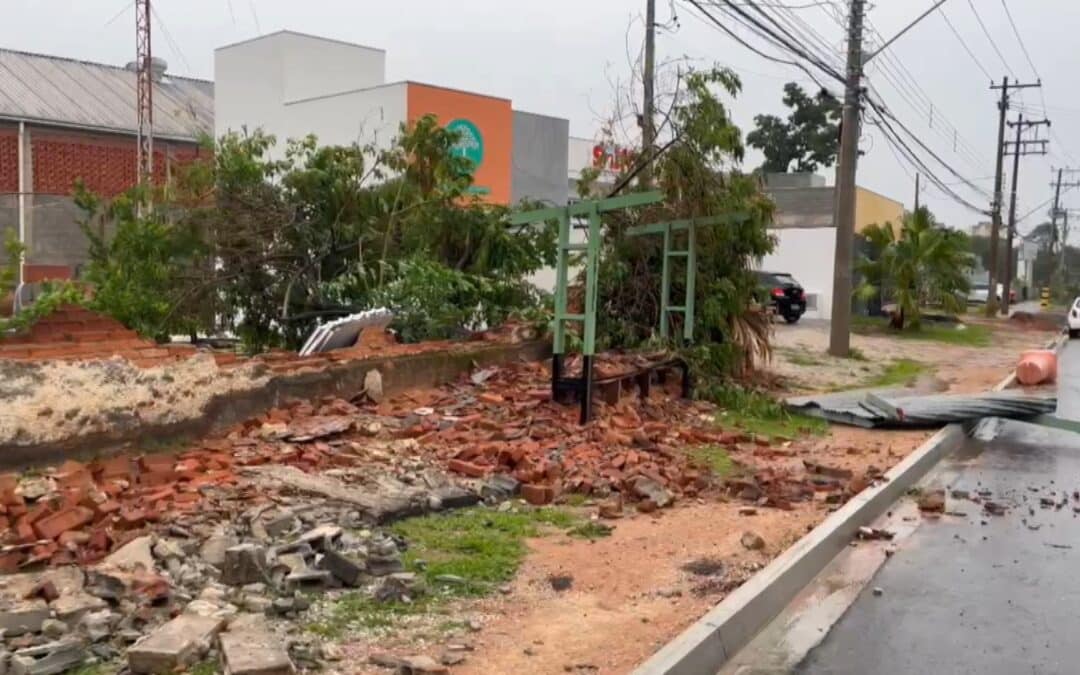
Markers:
<point>875,192</point>
<point>345,92</point>
<point>118,131</point>
<point>286,31</point>
<point>456,90</point>
<point>97,64</point>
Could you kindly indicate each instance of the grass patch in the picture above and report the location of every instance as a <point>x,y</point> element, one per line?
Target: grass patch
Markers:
<point>590,530</point>
<point>574,499</point>
<point>962,334</point>
<point>802,358</point>
<point>205,668</point>
<point>102,669</point>
<point>902,372</point>
<point>856,354</point>
<point>715,458</point>
<point>481,546</point>
<point>758,413</point>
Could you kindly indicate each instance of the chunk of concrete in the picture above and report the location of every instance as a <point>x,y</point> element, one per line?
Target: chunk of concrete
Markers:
<point>132,556</point>
<point>71,607</point>
<point>23,616</point>
<point>47,659</point>
<point>348,570</point>
<point>255,652</point>
<point>213,549</point>
<point>421,665</point>
<point>181,642</point>
<point>244,564</point>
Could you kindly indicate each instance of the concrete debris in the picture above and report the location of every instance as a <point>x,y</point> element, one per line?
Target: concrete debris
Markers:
<point>399,587</point>
<point>180,642</point>
<point>874,533</point>
<point>255,652</point>
<point>244,564</point>
<point>420,665</point>
<point>25,616</point>
<point>48,659</point>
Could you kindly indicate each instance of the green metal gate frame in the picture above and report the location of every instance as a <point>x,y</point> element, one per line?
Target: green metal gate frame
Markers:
<point>668,230</point>
<point>591,209</point>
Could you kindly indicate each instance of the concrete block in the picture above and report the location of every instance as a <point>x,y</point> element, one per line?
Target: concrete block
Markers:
<point>255,652</point>
<point>23,616</point>
<point>244,564</point>
<point>178,643</point>
<point>71,607</point>
<point>48,659</point>
<point>349,571</point>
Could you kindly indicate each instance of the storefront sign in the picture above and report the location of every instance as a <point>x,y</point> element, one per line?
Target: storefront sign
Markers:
<point>470,143</point>
<point>611,157</point>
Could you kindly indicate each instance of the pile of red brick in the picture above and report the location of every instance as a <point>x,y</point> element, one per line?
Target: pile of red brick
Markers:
<point>508,424</point>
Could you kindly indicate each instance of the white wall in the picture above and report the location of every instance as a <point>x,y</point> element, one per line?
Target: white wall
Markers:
<point>256,81</point>
<point>369,116</point>
<point>806,254</point>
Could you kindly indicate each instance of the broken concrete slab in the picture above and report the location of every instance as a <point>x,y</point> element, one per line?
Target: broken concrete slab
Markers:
<point>376,507</point>
<point>213,549</point>
<point>71,607</point>
<point>254,651</point>
<point>647,488</point>
<point>180,642</point>
<point>420,665</point>
<point>48,659</point>
<point>23,616</point>
<point>349,570</point>
<point>134,555</point>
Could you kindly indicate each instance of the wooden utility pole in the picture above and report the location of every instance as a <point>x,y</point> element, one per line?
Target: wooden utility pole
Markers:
<point>995,221</point>
<point>648,78</point>
<point>1019,149</point>
<point>917,176</point>
<point>840,326</point>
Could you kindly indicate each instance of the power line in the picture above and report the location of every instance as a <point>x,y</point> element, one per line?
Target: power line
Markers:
<point>118,14</point>
<point>255,15</point>
<point>169,38</point>
<point>964,44</point>
<point>990,38</point>
<point>1019,39</point>
<point>733,35</point>
<point>787,42</point>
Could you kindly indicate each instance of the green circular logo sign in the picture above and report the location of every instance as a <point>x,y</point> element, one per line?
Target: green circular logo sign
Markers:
<point>470,144</point>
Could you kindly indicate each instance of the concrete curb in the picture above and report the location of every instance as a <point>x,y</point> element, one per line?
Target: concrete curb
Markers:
<point>706,646</point>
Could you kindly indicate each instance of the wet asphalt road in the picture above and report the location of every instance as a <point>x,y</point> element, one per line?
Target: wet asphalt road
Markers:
<point>979,593</point>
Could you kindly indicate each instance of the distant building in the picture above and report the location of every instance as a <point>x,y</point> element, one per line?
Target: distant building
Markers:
<point>63,120</point>
<point>806,233</point>
<point>981,230</point>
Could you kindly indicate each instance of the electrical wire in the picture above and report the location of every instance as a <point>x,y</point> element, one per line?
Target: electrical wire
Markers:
<point>119,14</point>
<point>255,15</point>
<point>733,35</point>
<point>963,44</point>
<point>169,38</point>
<point>786,41</point>
<point>1019,39</point>
<point>990,38</point>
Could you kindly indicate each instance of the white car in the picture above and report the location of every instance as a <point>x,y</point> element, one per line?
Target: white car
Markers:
<point>1074,319</point>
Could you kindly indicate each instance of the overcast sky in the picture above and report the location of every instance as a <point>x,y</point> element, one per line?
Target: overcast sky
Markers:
<point>560,57</point>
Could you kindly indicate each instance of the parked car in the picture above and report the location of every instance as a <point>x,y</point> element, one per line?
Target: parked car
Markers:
<point>784,293</point>
<point>980,293</point>
<point>1074,319</point>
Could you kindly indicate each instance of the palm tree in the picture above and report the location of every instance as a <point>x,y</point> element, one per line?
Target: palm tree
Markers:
<point>924,264</point>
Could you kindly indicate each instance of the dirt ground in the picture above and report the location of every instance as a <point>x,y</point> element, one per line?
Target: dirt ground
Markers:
<point>801,358</point>
<point>631,593</point>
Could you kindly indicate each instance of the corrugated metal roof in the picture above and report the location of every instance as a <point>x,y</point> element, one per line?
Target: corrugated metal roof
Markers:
<point>67,92</point>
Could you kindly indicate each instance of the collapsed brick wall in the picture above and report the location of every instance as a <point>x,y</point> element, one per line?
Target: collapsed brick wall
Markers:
<point>75,333</point>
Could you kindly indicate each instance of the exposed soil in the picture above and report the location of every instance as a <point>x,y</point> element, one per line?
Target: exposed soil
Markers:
<point>801,357</point>
<point>632,592</point>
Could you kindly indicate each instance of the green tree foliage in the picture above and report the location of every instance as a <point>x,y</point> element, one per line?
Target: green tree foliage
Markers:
<point>698,176</point>
<point>921,264</point>
<point>267,243</point>
<point>809,136</point>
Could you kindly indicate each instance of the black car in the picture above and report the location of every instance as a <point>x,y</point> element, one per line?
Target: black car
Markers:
<point>785,294</point>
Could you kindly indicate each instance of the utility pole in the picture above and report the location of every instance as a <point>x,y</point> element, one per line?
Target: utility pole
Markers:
<point>917,176</point>
<point>840,327</point>
<point>648,77</point>
<point>144,94</point>
<point>1019,148</point>
<point>995,221</point>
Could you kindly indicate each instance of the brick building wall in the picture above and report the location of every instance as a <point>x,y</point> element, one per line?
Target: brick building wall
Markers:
<point>58,158</point>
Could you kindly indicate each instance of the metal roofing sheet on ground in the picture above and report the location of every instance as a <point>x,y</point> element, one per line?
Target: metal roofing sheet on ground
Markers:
<point>889,408</point>
<point>67,92</point>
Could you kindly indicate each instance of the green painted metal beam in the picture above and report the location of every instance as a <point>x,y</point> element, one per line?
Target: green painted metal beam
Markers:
<point>588,207</point>
<point>678,225</point>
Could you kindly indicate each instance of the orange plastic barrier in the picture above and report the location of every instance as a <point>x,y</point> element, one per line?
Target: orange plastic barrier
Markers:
<point>1036,367</point>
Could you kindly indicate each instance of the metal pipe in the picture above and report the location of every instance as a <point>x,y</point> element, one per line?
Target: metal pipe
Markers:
<point>21,161</point>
